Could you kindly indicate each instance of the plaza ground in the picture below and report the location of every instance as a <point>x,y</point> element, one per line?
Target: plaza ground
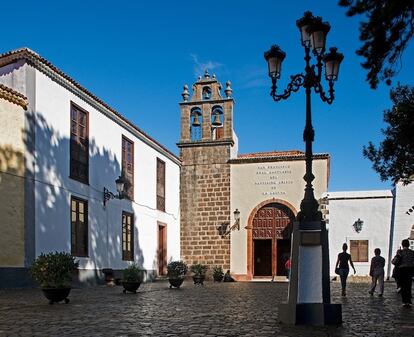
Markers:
<point>226,309</point>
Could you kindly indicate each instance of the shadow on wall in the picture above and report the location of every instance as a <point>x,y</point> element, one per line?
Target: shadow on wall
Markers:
<point>53,190</point>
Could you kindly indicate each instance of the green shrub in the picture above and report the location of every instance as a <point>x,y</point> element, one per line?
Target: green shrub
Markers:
<point>176,269</point>
<point>218,271</point>
<point>132,273</point>
<point>54,270</point>
<point>198,269</point>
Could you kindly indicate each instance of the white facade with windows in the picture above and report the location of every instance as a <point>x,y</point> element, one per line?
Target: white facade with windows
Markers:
<point>49,188</point>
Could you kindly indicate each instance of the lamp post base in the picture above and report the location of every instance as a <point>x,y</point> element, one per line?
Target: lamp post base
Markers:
<point>317,314</point>
<point>309,296</point>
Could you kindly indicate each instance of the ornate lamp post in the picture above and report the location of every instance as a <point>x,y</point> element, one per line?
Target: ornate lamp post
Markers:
<point>309,290</point>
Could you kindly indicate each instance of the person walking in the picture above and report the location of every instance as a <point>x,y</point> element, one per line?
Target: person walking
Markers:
<point>396,275</point>
<point>376,271</point>
<point>342,263</point>
<point>405,262</point>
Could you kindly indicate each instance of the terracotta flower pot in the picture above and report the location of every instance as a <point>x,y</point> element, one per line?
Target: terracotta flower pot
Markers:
<point>132,287</point>
<point>176,282</point>
<point>199,279</point>
<point>56,294</point>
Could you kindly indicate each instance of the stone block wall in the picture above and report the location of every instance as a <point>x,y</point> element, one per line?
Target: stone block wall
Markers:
<point>205,205</point>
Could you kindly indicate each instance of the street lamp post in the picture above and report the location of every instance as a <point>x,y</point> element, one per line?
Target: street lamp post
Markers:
<point>309,288</point>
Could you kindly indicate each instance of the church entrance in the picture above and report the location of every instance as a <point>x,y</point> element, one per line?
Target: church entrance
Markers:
<point>271,233</point>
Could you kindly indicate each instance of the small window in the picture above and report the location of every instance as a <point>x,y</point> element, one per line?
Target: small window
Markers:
<point>79,227</point>
<point>79,145</point>
<point>206,93</point>
<point>160,185</point>
<point>128,167</point>
<point>127,236</point>
<point>359,250</point>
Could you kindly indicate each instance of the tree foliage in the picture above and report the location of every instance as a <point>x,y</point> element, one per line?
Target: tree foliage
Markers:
<point>394,158</point>
<point>385,33</point>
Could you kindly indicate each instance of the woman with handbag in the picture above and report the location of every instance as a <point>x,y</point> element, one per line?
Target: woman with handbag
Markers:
<point>342,267</point>
<point>404,259</point>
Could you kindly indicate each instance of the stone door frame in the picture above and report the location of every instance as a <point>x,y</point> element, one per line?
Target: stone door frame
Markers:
<point>249,229</point>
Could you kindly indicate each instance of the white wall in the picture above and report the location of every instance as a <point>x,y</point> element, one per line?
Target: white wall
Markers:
<point>404,219</point>
<point>54,187</point>
<point>374,208</point>
<point>250,186</point>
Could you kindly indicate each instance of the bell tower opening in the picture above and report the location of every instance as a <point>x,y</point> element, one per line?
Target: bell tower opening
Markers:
<point>207,143</point>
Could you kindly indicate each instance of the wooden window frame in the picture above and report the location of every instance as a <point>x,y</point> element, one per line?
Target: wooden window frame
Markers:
<point>359,258</point>
<point>75,251</point>
<point>127,255</point>
<point>160,199</point>
<point>72,161</point>
<point>129,186</point>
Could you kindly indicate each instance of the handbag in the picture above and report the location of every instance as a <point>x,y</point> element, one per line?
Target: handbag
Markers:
<point>337,271</point>
<point>396,261</point>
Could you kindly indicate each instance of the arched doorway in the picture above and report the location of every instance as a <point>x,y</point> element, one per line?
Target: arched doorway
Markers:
<point>270,229</point>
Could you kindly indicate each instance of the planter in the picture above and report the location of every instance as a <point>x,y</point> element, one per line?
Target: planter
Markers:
<point>199,279</point>
<point>218,278</point>
<point>176,282</point>
<point>56,294</point>
<point>132,287</point>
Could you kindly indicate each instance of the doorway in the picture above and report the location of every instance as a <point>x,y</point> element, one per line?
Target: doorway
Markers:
<point>283,254</point>
<point>162,249</point>
<point>262,257</point>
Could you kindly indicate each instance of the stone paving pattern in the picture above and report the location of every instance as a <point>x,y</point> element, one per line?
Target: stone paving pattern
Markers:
<point>216,309</point>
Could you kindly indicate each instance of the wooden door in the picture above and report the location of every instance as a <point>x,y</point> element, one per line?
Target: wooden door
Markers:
<point>162,249</point>
<point>262,257</point>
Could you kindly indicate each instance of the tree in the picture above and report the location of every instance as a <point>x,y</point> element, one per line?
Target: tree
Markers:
<point>385,34</point>
<point>394,158</point>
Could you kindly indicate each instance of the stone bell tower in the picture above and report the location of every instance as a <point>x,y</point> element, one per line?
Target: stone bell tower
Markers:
<point>206,145</point>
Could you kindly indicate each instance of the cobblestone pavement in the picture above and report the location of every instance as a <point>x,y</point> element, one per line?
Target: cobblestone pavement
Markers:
<point>226,309</point>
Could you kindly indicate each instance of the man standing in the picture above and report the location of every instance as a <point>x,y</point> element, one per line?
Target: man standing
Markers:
<point>377,272</point>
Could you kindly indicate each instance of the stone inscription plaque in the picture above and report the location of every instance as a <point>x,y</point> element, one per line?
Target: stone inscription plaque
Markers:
<point>272,179</point>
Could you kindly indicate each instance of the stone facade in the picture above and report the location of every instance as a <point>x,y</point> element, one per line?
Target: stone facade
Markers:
<point>205,175</point>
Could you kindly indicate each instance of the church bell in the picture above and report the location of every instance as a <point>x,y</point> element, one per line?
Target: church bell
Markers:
<point>216,120</point>
<point>196,121</point>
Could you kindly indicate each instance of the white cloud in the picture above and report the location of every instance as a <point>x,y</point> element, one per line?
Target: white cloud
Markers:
<point>201,67</point>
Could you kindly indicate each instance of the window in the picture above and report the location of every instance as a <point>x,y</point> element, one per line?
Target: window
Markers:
<point>128,167</point>
<point>127,236</point>
<point>79,144</point>
<point>79,227</point>
<point>359,250</point>
<point>160,185</point>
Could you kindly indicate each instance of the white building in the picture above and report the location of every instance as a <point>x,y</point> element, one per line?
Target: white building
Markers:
<point>74,146</point>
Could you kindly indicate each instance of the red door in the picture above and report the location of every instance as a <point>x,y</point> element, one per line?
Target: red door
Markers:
<point>162,249</point>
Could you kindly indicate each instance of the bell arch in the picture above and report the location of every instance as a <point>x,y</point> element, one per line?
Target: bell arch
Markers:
<point>217,122</point>
<point>271,219</point>
<point>196,122</point>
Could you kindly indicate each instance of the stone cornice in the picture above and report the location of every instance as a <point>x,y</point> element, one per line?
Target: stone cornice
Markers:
<point>67,82</point>
<point>221,142</point>
<point>276,158</point>
<point>13,96</point>
<point>211,101</point>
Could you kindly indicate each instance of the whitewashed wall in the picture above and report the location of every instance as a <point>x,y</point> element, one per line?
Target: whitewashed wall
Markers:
<point>54,188</point>
<point>249,189</point>
<point>404,219</point>
<point>374,208</point>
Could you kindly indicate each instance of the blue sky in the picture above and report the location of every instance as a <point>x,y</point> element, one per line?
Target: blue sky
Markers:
<point>136,56</point>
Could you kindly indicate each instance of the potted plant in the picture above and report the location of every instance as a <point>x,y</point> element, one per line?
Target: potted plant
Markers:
<point>218,274</point>
<point>199,273</point>
<point>132,279</point>
<point>176,271</point>
<point>53,271</point>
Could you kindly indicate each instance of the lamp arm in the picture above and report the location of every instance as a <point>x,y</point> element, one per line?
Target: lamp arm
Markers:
<point>296,81</point>
<point>319,90</point>
<point>319,66</point>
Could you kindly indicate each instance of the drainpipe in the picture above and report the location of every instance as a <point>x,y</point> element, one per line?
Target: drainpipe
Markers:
<point>390,244</point>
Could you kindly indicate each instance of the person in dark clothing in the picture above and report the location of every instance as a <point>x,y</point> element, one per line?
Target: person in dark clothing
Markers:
<point>396,276</point>
<point>343,261</point>
<point>377,272</point>
<point>227,277</point>
<point>405,262</point>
